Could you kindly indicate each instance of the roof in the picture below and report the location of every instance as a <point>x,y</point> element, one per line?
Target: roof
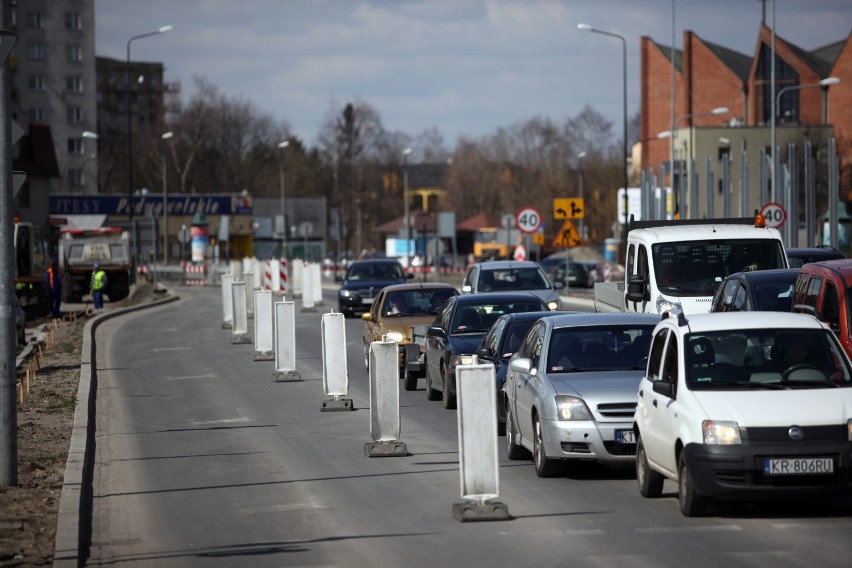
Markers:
<point>480,221</point>
<point>737,62</point>
<point>421,286</point>
<point>667,51</point>
<point>701,233</point>
<point>604,319</point>
<point>841,267</point>
<point>422,221</point>
<point>829,53</point>
<point>815,62</point>
<point>771,275</point>
<point>504,264</point>
<point>724,321</point>
<point>497,297</point>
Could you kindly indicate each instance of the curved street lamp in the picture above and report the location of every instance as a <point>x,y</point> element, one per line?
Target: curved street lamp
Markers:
<point>588,28</point>
<point>405,153</point>
<point>161,30</point>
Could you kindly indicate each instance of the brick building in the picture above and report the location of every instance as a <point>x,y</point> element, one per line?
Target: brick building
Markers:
<point>710,76</point>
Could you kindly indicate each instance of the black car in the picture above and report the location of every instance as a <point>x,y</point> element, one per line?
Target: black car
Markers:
<point>498,346</point>
<point>458,330</point>
<point>759,290</point>
<point>796,257</point>
<point>362,282</point>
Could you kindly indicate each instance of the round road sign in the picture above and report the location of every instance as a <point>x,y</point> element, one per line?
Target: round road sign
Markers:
<point>528,219</point>
<point>774,213</point>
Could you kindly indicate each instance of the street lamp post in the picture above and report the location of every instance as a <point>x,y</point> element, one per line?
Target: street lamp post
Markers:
<point>281,145</point>
<point>162,30</point>
<point>580,157</point>
<point>588,28</point>
<point>406,220</point>
<point>165,137</point>
<point>92,136</point>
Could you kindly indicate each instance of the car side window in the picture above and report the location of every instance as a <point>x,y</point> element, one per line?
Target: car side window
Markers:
<point>490,340</point>
<point>527,347</point>
<point>642,262</point>
<point>656,355</point>
<point>374,309</point>
<point>631,250</point>
<point>740,299</point>
<point>812,294</point>
<point>443,319</point>
<point>537,336</point>
<point>728,293</point>
<point>831,307</point>
<point>801,286</point>
<point>468,277</point>
<point>669,370</point>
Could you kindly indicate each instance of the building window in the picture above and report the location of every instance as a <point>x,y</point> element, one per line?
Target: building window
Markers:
<point>36,82</point>
<point>76,178</point>
<point>74,83</point>
<point>74,53</point>
<point>785,76</point>
<point>34,21</point>
<point>75,115</point>
<point>75,146</point>
<point>35,51</point>
<point>37,114</point>
<point>73,21</point>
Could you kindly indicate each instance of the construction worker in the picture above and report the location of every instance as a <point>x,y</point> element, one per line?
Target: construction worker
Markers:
<point>99,280</point>
<point>54,286</point>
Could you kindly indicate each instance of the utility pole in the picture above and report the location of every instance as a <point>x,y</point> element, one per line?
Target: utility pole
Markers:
<point>8,369</point>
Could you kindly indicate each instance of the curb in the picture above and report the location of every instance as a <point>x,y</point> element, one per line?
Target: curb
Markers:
<point>74,522</point>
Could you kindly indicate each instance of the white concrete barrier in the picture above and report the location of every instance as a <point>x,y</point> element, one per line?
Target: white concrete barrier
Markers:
<point>248,278</point>
<point>274,275</point>
<point>335,373</point>
<point>384,401</point>
<point>227,302</point>
<point>285,343</point>
<point>264,349</point>
<point>257,271</point>
<point>239,331</point>
<point>477,426</point>
<point>316,283</point>
<point>235,269</point>
<point>308,294</point>
<point>297,277</point>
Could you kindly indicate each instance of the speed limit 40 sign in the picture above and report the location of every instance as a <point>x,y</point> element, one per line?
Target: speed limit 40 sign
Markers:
<point>774,213</point>
<point>528,219</point>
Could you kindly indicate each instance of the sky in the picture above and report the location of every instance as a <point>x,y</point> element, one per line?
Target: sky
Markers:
<point>463,67</point>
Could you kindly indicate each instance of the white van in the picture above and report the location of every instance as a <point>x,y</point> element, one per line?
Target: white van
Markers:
<point>744,405</point>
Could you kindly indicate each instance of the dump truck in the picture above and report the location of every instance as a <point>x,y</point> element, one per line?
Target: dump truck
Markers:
<point>32,259</point>
<point>80,249</point>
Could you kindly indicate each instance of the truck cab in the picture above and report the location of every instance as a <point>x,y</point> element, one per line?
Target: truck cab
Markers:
<point>678,265</point>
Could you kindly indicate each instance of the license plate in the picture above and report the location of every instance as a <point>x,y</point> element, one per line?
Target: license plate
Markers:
<point>366,300</point>
<point>798,466</point>
<point>625,437</point>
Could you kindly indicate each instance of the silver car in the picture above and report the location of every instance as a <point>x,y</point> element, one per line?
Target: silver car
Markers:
<point>571,390</point>
<point>512,276</point>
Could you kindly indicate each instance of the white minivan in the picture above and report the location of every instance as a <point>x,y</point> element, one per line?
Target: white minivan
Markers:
<point>744,405</point>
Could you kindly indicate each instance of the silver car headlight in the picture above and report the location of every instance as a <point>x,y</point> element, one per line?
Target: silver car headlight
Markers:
<point>394,336</point>
<point>456,360</point>
<point>572,408</point>
<point>721,433</point>
<point>553,305</point>
<point>664,305</point>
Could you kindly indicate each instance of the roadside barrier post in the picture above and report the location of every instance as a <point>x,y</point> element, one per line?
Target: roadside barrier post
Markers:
<point>227,302</point>
<point>257,270</point>
<point>285,343</point>
<point>308,294</point>
<point>316,282</point>
<point>335,375</point>
<point>235,269</point>
<point>248,278</point>
<point>298,269</point>
<point>239,333</point>
<point>384,401</point>
<point>263,331</point>
<point>477,424</point>
<point>274,275</point>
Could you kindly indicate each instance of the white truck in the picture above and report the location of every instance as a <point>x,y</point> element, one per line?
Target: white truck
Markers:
<point>679,264</point>
<point>80,249</point>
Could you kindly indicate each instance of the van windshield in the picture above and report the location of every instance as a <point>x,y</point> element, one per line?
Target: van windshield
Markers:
<point>694,268</point>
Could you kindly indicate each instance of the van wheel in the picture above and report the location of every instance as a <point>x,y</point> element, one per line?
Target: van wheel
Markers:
<point>691,503</point>
<point>514,451</point>
<point>544,466</point>
<point>650,482</point>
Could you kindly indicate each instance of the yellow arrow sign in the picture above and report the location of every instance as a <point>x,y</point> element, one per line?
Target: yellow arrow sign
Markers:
<point>567,236</point>
<point>568,208</point>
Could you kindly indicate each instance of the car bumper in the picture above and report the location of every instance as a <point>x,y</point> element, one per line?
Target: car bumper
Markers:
<point>738,472</point>
<point>588,440</point>
<point>354,305</point>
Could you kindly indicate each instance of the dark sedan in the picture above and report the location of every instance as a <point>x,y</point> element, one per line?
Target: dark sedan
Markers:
<point>498,346</point>
<point>796,257</point>
<point>458,330</point>
<point>759,290</point>
<point>363,281</point>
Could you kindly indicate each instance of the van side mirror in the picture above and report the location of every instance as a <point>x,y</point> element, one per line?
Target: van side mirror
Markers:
<point>637,289</point>
<point>665,388</point>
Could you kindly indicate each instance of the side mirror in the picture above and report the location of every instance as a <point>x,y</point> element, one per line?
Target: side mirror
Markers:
<point>409,275</point>
<point>521,365</point>
<point>484,353</point>
<point>637,289</point>
<point>367,316</point>
<point>558,285</point>
<point>435,331</point>
<point>665,388</point>
<point>338,278</point>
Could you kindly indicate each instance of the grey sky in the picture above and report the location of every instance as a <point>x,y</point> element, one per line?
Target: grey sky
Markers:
<point>465,67</point>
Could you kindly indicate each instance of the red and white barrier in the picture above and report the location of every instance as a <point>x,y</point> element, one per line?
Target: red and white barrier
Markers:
<point>195,274</point>
<point>282,276</point>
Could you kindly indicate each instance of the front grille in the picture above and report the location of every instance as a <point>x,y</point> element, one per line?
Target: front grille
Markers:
<point>620,449</point>
<point>617,409</point>
<point>832,432</point>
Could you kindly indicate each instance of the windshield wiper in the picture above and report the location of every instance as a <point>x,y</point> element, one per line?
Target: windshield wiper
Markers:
<point>810,383</point>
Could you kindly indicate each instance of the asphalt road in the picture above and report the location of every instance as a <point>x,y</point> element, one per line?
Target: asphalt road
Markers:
<point>203,460</point>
